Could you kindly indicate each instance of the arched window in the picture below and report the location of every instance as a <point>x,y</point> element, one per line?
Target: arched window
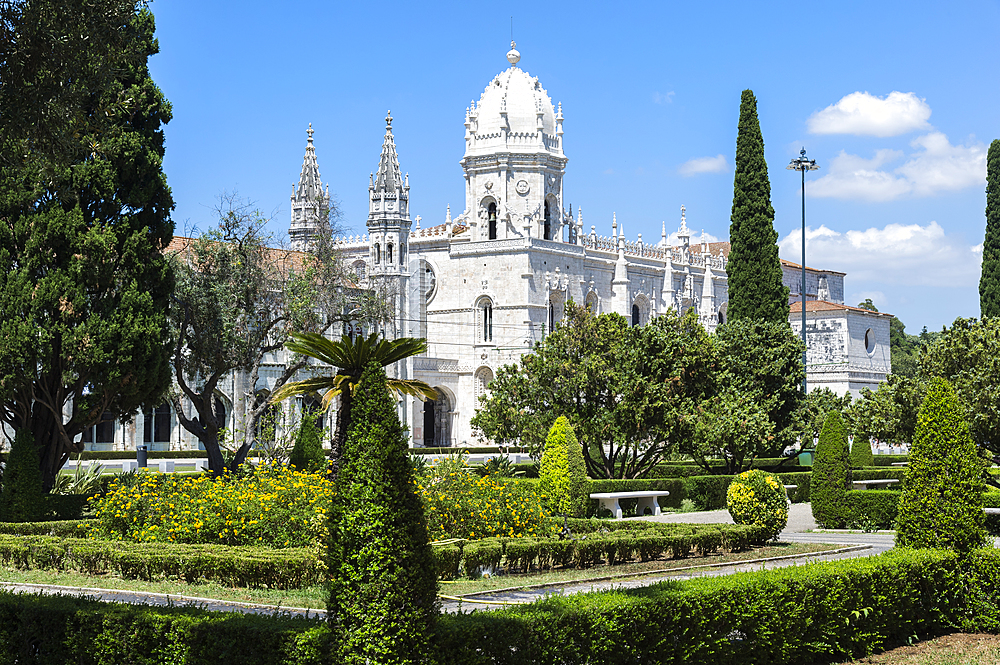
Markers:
<point>377,254</point>
<point>402,253</point>
<point>359,270</point>
<point>547,230</point>
<point>552,316</point>
<point>635,315</point>
<point>486,312</point>
<point>591,302</point>
<point>313,406</point>
<point>388,254</point>
<point>266,427</point>
<point>491,216</point>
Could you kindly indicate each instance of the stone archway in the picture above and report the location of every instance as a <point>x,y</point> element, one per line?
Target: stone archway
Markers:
<point>437,421</point>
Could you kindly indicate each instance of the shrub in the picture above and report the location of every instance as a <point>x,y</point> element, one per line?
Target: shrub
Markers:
<point>307,453</point>
<point>756,497</point>
<point>460,504</point>
<point>861,452</point>
<point>383,579</point>
<point>871,510</point>
<point>563,473</point>
<point>229,566</point>
<point>708,492</point>
<point>830,474</point>
<point>22,497</point>
<point>480,556</point>
<point>942,501</point>
<point>62,528</point>
<point>271,505</point>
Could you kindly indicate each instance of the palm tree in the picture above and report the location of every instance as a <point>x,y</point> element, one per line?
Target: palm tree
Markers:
<point>350,356</point>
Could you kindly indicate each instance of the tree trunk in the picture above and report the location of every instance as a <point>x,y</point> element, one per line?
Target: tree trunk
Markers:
<point>53,449</point>
<point>340,431</point>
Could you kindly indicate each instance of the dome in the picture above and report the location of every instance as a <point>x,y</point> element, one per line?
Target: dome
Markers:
<point>522,97</point>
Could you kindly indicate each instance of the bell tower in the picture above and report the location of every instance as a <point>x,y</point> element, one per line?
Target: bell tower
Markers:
<point>310,204</point>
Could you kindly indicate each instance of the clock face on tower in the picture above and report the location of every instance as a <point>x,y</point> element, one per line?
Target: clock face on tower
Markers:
<point>521,187</point>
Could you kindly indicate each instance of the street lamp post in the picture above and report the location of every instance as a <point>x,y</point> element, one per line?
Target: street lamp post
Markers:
<point>802,164</point>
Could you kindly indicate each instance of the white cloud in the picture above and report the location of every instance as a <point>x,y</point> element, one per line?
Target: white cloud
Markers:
<point>696,239</point>
<point>936,166</point>
<point>698,165</point>
<point>663,98</point>
<point>865,114</point>
<point>877,297</point>
<point>908,254</point>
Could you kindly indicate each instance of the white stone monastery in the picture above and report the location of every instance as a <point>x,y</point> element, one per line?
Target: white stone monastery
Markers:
<point>487,284</point>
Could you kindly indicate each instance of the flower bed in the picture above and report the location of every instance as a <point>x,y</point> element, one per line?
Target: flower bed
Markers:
<point>273,506</point>
<point>459,504</point>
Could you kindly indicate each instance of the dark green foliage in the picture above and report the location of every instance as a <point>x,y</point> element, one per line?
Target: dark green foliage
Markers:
<point>307,453</point>
<point>629,392</point>
<point>61,528</point>
<point>446,561</point>
<point>813,410</point>
<point>754,269</point>
<point>889,413</point>
<point>758,382</point>
<point>841,609</point>
<point>989,280</point>
<point>871,510</point>
<point>290,568</point>
<point>22,499</point>
<point>968,356</point>
<point>942,501</point>
<point>861,452</point>
<point>830,474</point>
<point>383,578</point>
<point>84,287</point>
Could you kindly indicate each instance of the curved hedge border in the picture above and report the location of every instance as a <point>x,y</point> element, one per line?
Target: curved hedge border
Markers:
<point>791,616</point>
<point>232,566</point>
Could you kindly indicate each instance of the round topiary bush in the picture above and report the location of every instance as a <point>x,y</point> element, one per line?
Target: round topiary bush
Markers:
<point>758,498</point>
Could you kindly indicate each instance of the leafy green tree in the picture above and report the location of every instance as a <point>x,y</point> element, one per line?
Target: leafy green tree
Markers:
<point>861,452</point>
<point>830,474</point>
<point>562,473</point>
<point>631,393</point>
<point>989,280</point>
<point>942,501</point>
<point>350,357</point>
<point>889,413</point>
<point>84,287</point>
<point>307,453</point>
<point>904,349</point>
<point>22,496</point>
<point>813,411</point>
<point>968,356</point>
<point>382,600</point>
<point>733,426</point>
<point>754,271</point>
<point>238,298</point>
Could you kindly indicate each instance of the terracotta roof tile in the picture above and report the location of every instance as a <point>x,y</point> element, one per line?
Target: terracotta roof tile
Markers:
<point>826,306</point>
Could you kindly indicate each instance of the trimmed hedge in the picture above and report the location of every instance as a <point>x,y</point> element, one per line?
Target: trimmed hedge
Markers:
<point>840,610</point>
<point>595,542</point>
<point>151,455</point>
<point>290,568</point>
<point>61,528</point>
<point>871,510</point>
<point>889,460</point>
<point>474,450</point>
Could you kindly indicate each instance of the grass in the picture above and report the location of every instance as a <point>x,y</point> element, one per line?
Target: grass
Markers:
<point>467,586</point>
<point>954,649</point>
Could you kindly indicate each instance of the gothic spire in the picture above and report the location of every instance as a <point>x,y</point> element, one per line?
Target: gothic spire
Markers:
<point>310,185</point>
<point>310,204</point>
<point>388,178</point>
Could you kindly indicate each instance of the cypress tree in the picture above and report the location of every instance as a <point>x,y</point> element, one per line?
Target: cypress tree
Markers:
<point>382,599</point>
<point>562,472</point>
<point>861,452</point>
<point>754,269</point>
<point>828,486</point>
<point>307,453</point>
<point>989,279</point>
<point>22,497</point>
<point>941,505</point>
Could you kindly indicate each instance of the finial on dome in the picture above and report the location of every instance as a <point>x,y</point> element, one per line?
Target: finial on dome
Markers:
<point>388,120</point>
<point>310,132</point>
<point>513,56</point>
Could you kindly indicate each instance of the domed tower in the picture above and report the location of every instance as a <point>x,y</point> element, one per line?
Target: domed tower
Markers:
<point>310,204</point>
<point>514,162</point>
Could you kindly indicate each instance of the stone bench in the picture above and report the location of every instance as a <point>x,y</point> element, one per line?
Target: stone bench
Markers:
<point>865,483</point>
<point>609,500</point>
<point>991,511</point>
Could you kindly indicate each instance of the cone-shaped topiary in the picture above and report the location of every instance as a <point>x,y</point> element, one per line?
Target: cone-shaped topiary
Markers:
<point>382,599</point>
<point>22,499</point>
<point>830,474</point>
<point>758,498</point>
<point>756,291</point>
<point>562,472</point>
<point>941,505</point>
<point>861,452</point>
<point>989,279</point>
<point>307,453</point>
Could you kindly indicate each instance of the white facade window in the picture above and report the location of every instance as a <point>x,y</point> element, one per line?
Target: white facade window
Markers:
<point>870,344</point>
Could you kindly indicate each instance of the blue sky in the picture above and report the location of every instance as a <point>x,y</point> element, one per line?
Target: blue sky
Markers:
<point>896,101</point>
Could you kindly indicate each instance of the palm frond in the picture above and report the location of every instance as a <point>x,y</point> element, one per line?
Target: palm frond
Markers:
<point>411,387</point>
<point>304,387</point>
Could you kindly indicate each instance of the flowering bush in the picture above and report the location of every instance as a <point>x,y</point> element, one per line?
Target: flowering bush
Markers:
<point>758,498</point>
<point>272,505</point>
<point>459,504</point>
